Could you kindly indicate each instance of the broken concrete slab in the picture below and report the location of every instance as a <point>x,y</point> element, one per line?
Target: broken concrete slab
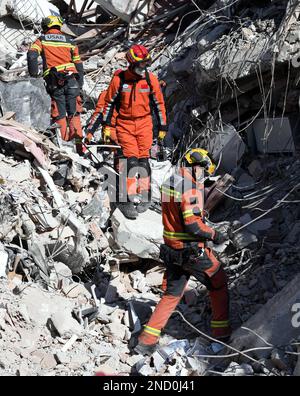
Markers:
<point>17,174</point>
<point>29,100</point>
<point>273,322</point>
<point>228,146</point>
<point>115,330</point>
<point>3,262</point>
<point>273,135</point>
<point>141,237</point>
<point>124,9</point>
<point>65,325</point>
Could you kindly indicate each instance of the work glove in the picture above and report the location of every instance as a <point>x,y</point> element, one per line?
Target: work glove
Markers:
<point>220,237</point>
<point>161,136</point>
<point>106,134</point>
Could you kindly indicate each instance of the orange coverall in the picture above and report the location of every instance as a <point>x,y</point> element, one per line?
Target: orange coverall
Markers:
<point>59,52</point>
<point>182,209</point>
<point>135,99</point>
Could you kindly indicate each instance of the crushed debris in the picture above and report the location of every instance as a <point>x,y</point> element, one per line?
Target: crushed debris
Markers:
<point>77,279</point>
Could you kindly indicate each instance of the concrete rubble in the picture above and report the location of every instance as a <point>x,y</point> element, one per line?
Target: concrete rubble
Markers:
<point>86,279</point>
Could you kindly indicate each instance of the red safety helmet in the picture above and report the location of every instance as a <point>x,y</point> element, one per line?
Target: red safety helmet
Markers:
<point>137,54</point>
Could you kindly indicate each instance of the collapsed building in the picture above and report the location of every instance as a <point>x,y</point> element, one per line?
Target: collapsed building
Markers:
<point>78,280</point>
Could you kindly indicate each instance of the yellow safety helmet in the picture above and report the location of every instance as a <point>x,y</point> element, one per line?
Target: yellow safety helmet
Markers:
<point>200,157</point>
<point>52,20</point>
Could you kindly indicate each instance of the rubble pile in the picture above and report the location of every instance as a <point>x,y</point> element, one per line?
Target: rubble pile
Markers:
<point>77,279</point>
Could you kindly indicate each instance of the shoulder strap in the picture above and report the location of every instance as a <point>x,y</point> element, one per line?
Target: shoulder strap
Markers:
<point>148,79</point>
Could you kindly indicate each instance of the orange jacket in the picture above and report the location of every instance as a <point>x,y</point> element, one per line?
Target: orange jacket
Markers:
<point>97,117</point>
<point>182,211</point>
<point>57,51</point>
<point>134,100</point>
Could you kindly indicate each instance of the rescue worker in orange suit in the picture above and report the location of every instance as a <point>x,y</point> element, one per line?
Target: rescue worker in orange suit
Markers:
<point>185,253</point>
<point>134,93</point>
<point>63,74</point>
<point>97,120</point>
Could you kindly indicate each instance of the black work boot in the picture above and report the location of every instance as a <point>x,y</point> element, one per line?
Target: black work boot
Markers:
<point>145,350</point>
<point>129,210</point>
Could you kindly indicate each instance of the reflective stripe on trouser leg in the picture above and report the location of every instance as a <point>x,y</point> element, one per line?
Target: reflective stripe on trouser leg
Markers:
<point>159,319</point>
<point>219,296</point>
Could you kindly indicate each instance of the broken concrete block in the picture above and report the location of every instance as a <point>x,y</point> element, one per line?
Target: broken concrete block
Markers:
<point>273,135</point>
<point>48,362</point>
<point>65,325</point>
<point>228,144</point>
<point>38,305</point>
<point>75,290</point>
<point>154,279</point>
<point>255,169</point>
<point>115,330</point>
<point>141,237</point>
<point>17,174</point>
<point>238,370</point>
<point>273,322</point>
<point>198,366</point>
<point>62,357</point>
<point>62,271</point>
<point>29,100</point>
<point>139,281</point>
<point>3,263</point>
<point>121,8</point>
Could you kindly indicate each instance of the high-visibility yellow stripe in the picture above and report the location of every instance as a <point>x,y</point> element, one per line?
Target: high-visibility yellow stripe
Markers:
<point>179,235</point>
<point>170,193</point>
<point>187,214</point>
<point>152,331</point>
<point>59,68</point>
<point>219,324</point>
<point>36,47</point>
<point>57,44</point>
<point>220,321</point>
<point>76,58</point>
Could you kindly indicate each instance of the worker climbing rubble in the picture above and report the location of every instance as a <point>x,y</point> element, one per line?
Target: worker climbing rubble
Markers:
<point>135,93</point>
<point>185,253</point>
<point>63,74</point>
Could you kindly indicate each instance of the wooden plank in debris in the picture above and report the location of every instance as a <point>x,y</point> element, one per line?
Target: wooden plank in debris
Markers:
<point>8,116</point>
<point>97,31</point>
<point>216,193</point>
